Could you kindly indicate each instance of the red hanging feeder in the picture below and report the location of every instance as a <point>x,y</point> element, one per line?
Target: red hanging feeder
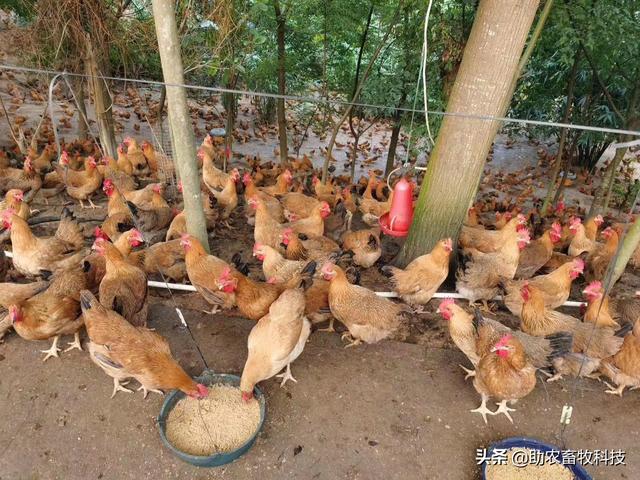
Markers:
<point>396,222</point>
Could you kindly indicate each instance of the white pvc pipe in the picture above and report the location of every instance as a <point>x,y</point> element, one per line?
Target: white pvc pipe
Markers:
<point>190,288</point>
<point>172,286</point>
<point>632,143</point>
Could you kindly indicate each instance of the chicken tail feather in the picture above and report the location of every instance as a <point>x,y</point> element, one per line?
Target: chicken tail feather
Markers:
<point>87,300</point>
<point>388,270</point>
<point>353,275</point>
<point>133,208</point>
<point>478,319</point>
<point>561,344</point>
<point>309,269</point>
<point>237,262</point>
<point>46,274</point>
<point>107,361</point>
<point>622,331</point>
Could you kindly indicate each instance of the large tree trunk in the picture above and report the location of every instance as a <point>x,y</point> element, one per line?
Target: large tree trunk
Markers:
<point>102,101</point>
<point>563,134</point>
<point>280,106</point>
<point>179,118</point>
<point>483,87</point>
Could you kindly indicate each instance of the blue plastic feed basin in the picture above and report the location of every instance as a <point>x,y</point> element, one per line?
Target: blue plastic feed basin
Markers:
<point>215,460</point>
<point>523,442</point>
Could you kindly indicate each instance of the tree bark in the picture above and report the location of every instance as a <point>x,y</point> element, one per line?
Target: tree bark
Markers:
<point>102,101</point>
<point>608,178</point>
<point>179,118</point>
<point>280,105</point>
<point>568,164</point>
<point>393,143</point>
<point>629,244</point>
<point>354,155</point>
<point>83,129</point>
<point>617,159</point>
<point>229,101</point>
<point>159,113</point>
<point>483,86</point>
<point>563,134</point>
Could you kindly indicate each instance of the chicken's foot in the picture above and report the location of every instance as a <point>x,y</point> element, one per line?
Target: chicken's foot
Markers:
<point>226,224</point>
<point>82,204</point>
<point>482,409</point>
<point>118,387</point>
<point>545,373</point>
<point>503,408</point>
<point>214,310</point>
<point>349,337</point>
<point>286,375</point>
<point>91,203</point>
<point>329,328</point>
<point>469,373</point>
<point>418,310</point>
<point>488,308</point>
<point>146,391</point>
<point>555,377</point>
<point>614,391</point>
<point>53,351</point>
<point>75,344</point>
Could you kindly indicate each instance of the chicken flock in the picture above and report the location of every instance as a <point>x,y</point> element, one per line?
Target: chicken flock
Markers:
<point>312,239</point>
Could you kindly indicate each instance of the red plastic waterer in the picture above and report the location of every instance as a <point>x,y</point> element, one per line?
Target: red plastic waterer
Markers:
<point>397,221</point>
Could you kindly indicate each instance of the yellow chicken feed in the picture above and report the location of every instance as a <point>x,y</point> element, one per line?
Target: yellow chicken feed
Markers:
<point>509,471</point>
<point>219,423</point>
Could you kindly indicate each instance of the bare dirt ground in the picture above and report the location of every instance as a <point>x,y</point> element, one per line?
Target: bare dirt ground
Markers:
<point>392,410</point>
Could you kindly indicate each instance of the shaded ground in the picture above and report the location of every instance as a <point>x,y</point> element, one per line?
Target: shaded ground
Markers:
<point>392,410</point>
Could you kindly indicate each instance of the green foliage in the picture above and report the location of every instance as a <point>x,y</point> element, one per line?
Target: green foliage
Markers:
<point>23,8</point>
<point>233,43</point>
<point>604,34</point>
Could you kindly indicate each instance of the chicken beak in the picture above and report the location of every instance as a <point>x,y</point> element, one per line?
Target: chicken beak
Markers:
<point>246,396</point>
